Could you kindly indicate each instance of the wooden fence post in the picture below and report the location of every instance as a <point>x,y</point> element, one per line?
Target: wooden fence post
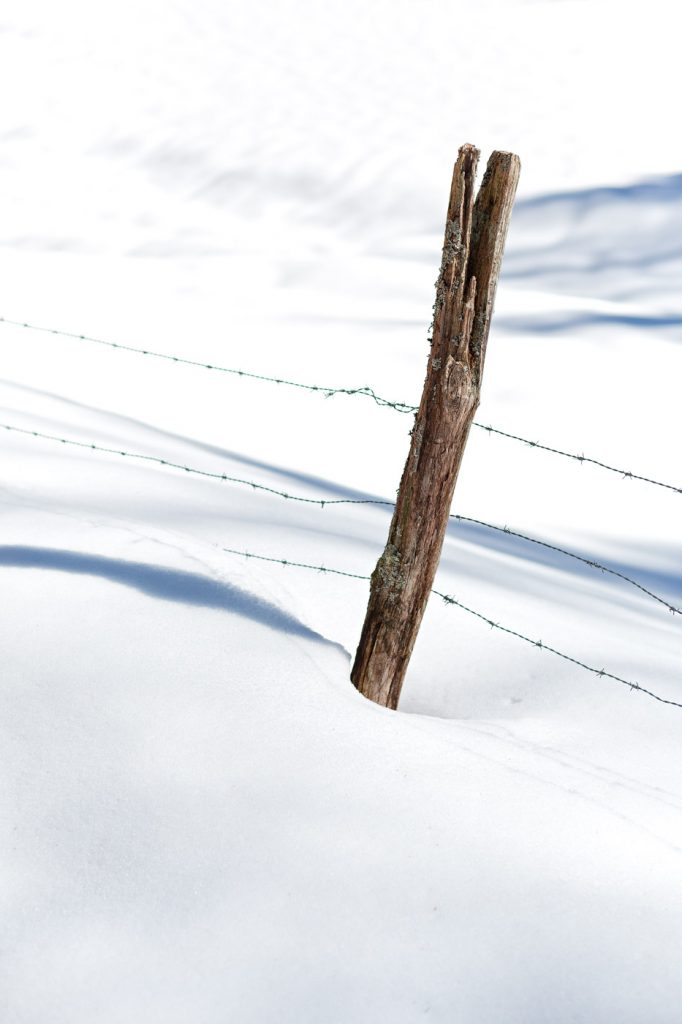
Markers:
<point>475,233</point>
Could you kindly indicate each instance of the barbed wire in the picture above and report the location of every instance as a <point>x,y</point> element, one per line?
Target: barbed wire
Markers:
<point>447,598</point>
<point>450,600</point>
<point>298,565</point>
<point>322,502</point>
<point>329,392</point>
<point>196,472</point>
<point>234,371</point>
<point>626,474</point>
<point>571,554</point>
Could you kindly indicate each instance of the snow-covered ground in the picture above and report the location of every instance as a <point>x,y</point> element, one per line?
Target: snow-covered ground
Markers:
<point>202,821</point>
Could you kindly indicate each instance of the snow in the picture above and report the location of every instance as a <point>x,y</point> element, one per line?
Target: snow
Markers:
<point>202,820</point>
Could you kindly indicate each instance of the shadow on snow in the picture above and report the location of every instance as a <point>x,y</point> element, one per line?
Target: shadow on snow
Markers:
<point>159,582</point>
<point>480,536</point>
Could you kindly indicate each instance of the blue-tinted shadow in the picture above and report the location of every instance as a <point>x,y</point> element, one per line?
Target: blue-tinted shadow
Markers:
<point>167,584</point>
<point>540,324</point>
<point>582,242</point>
<point>667,584</point>
<point>665,188</point>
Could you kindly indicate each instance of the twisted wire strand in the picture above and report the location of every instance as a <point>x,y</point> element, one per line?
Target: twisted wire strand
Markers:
<point>329,392</point>
<point>571,554</point>
<point>298,565</point>
<point>602,673</point>
<point>447,598</point>
<point>626,474</point>
<point>191,469</point>
<point>450,600</point>
<point>322,502</point>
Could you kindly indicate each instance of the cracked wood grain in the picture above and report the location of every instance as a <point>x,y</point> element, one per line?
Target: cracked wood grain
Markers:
<point>475,234</point>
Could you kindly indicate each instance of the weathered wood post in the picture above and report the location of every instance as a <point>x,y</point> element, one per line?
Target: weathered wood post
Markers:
<point>475,234</point>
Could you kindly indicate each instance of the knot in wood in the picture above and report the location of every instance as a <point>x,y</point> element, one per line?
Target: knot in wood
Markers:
<point>458,384</point>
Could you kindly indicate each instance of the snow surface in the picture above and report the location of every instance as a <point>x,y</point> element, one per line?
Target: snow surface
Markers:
<point>202,820</point>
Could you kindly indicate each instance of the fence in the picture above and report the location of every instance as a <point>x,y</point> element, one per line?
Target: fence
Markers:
<point>329,392</point>
<point>324,502</point>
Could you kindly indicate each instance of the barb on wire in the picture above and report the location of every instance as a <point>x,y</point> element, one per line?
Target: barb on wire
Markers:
<point>450,600</point>
<point>368,392</point>
<point>571,554</point>
<point>327,392</point>
<point>298,565</point>
<point>322,502</point>
<point>624,473</point>
<point>602,673</point>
